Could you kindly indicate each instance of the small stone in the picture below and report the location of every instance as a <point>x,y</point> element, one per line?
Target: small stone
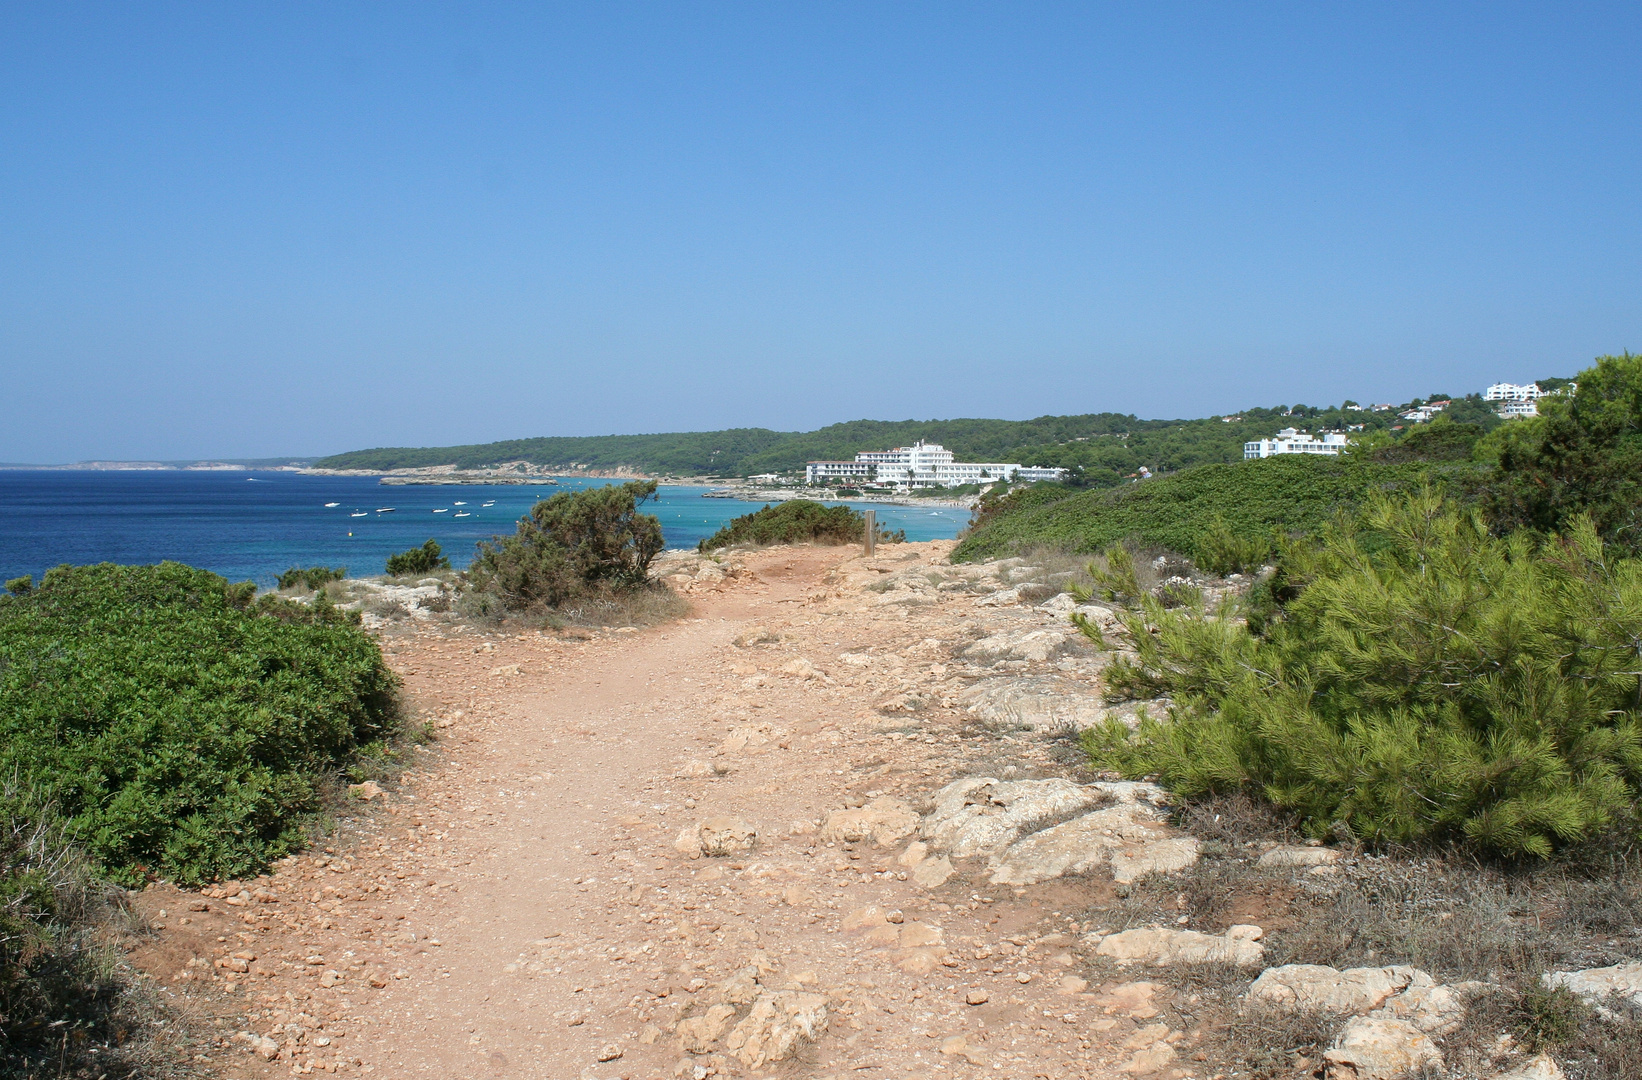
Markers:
<point>914,854</point>
<point>610,1052</point>
<point>1150,1060</point>
<point>1289,855</point>
<point>1540,1067</point>
<point>1071,986</point>
<point>933,872</point>
<point>958,1046</point>
<point>977,997</point>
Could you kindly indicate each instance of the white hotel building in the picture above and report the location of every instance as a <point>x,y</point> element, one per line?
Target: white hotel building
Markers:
<point>1290,441</point>
<point>921,465</point>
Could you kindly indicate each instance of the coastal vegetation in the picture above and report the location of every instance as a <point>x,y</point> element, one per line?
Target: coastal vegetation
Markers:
<point>797,521</point>
<point>1421,680</point>
<point>573,548</point>
<point>1193,511</point>
<point>311,578</point>
<point>155,722</point>
<point>180,729</point>
<point>1446,646</point>
<point>1100,449</point>
<point>423,560</point>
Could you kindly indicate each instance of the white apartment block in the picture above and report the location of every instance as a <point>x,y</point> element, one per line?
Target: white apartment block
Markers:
<point>922,465</point>
<point>1511,410</point>
<point>1290,441</point>
<point>819,472</point>
<point>1504,391</point>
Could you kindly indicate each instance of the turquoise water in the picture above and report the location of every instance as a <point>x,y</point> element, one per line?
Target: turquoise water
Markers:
<point>255,525</point>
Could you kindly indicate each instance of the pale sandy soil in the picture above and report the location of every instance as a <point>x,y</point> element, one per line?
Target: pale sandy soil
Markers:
<point>517,906</point>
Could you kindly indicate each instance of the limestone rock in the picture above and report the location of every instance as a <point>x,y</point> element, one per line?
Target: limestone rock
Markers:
<point>753,635</point>
<point>1129,837</point>
<point>932,872</point>
<point>695,769</point>
<point>1380,1048</point>
<point>958,1046</point>
<point>1162,946</point>
<point>716,836</point>
<point>1038,702</point>
<point>1289,855</point>
<point>1034,645</point>
<point>1001,598</point>
<point>1148,1061</point>
<point>983,815</point>
<point>1314,987</point>
<point>914,854</point>
<point>1539,1067</point>
<point>740,988</point>
<point>775,1027</point>
<point>802,669</point>
<point>1595,985</point>
<point>883,821</point>
<point>697,1034</point>
<point>1436,1010</point>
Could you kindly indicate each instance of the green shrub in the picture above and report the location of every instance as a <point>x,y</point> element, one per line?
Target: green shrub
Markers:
<point>1223,550</point>
<point>1182,512</point>
<point>423,560</point>
<point>179,729</point>
<point>573,545</point>
<point>1426,681</point>
<point>1581,456</point>
<point>315,577</point>
<point>797,521</point>
<point>19,586</point>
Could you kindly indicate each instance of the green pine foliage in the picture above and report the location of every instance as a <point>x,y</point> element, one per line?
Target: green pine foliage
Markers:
<point>178,728</point>
<point>1425,681</point>
<point>797,521</point>
<point>575,545</point>
<point>423,560</point>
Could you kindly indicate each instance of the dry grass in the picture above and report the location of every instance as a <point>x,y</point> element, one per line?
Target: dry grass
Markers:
<point>1451,917</point>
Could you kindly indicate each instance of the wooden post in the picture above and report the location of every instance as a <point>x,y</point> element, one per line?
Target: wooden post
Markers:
<point>871,517</point>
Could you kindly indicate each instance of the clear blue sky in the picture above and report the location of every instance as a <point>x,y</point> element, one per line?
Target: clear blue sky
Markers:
<point>239,230</point>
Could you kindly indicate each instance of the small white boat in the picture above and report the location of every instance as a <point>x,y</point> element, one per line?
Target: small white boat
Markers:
<point>458,503</point>
<point>328,505</point>
<point>385,509</point>
<point>359,513</point>
<point>463,513</point>
<point>490,503</point>
<point>441,510</point>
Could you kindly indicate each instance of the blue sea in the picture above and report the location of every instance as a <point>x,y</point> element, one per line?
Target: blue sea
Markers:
<point>252,526</point>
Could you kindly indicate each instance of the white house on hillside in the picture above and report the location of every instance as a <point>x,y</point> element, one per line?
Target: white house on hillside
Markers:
<point>1504,391</point>
<point>1290,441</point>
<point>922,465</point>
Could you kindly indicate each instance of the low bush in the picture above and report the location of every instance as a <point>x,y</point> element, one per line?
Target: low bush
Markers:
<point>797,521</point>
<point>314,577</point>
<point>180,729</point>
<point>1421,680</point>
<point>423,560</point>
<point>575,545</point>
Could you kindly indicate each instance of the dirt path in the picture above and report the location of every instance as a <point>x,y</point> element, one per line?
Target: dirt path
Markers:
<point>522,907</point>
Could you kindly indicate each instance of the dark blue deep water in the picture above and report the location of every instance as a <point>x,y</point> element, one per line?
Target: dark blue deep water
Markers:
<point>254,525</point>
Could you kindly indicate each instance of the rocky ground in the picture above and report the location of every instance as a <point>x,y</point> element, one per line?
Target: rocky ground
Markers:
<point>830,825</point>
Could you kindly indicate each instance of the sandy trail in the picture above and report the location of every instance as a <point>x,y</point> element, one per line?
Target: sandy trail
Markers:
<point>519,907</point>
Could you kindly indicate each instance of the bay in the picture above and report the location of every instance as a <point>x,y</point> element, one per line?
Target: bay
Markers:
<point>252,526</point>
